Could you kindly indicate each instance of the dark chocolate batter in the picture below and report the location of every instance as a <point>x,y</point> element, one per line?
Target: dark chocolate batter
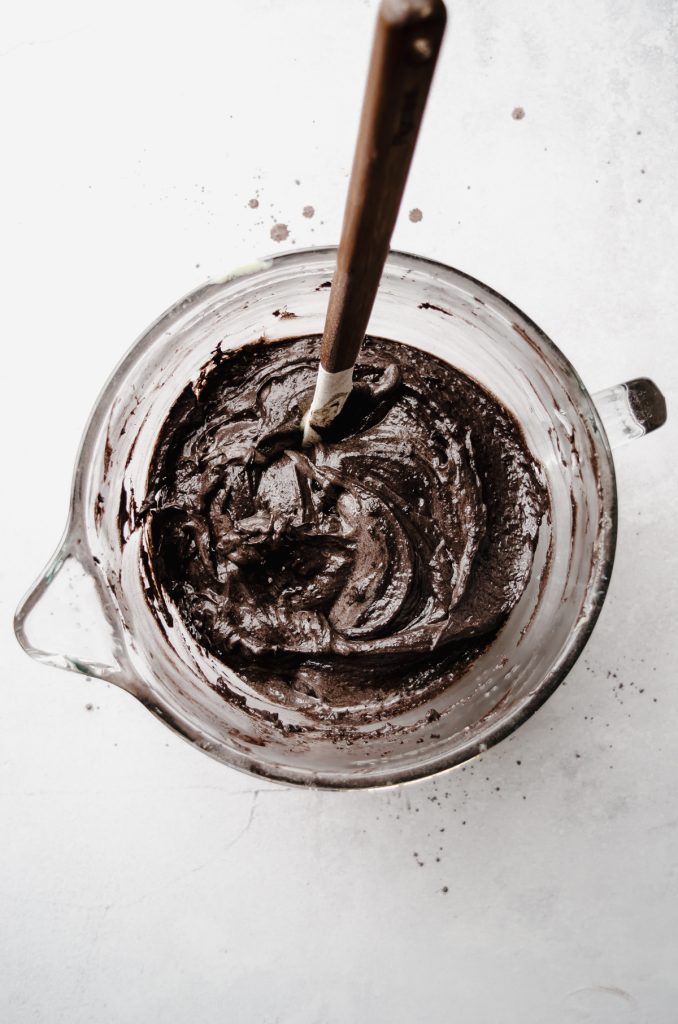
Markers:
<point>375,564</point>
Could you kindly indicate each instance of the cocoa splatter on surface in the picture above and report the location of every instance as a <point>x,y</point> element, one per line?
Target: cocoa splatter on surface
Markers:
<point>279,232</point>
<point>416,215</point>
<point>253,203</point>
<point>517,113</point>
<point>308,211</point>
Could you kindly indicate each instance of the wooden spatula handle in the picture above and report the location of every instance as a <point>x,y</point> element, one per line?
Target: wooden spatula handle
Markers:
<point>406,46</point>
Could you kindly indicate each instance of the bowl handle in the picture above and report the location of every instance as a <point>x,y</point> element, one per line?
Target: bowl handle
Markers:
<point>630,410</point>
<point>66,619</point>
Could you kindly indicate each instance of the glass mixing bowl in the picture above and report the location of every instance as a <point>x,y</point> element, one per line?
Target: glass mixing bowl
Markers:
<point>88,611</point>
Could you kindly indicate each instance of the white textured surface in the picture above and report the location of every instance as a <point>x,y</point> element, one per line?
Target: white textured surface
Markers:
<point>139,880</point>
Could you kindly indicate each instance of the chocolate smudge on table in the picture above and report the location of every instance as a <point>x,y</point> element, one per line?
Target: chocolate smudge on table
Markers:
<point>279,232</point>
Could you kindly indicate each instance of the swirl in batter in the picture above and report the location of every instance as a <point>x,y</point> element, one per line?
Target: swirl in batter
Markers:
<point>379,561</point>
